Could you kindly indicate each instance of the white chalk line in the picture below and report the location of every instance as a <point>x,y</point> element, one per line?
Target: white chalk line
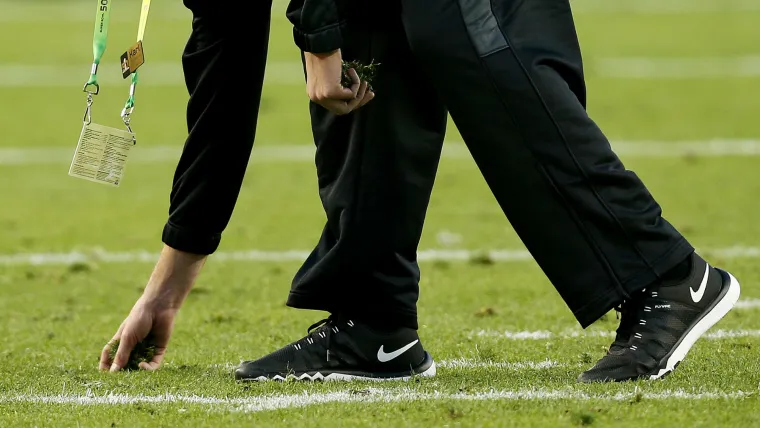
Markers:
<point>373,395</point>
<point>464,363</point>
<point>158,73</point>
<point>169,74</point>
<point>644,7</point>
<point>25,11</point>
<point>747,304</point>
<point>677,68</point>
<point>99,255</point>
<point>572,334</point>
<point>658,7</point>
<point>80,11</point>
<point>272,152</point>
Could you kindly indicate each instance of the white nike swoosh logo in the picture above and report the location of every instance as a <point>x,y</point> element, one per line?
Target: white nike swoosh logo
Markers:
<point>384,358</point>
<point>696,296</point>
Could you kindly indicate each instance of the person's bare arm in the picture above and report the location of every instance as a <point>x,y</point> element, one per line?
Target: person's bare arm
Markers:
<point>154,312</point>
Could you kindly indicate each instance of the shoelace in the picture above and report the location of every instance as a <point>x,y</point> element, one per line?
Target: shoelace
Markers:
<point>626,313</point>
<point>323,329</point>
<point>642,322</point>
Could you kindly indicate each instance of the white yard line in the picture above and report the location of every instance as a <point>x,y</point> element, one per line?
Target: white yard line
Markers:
<point>80,11</point>
<point>676,68</point>
<point>656,7</point>
<point>571,334</point>
<point>645,7</point>
<point>264,403</point>
<point>157,73</point>
<point>25,11</point>
<point>98,255</point>
<point>748,304</point>
<point>464,363</point>
<point>169,74</point>
<point>712,147</point>
<point>141,256</point>
<point>270,152</point>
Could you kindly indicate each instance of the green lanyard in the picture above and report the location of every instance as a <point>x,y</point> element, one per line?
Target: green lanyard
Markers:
<point>99,40</point>
<point>129,106</point>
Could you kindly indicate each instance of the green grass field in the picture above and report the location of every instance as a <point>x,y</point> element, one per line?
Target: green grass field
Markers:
<point>674,86</point>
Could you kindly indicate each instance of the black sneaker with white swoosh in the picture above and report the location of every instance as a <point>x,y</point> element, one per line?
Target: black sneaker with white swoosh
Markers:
<point>343,349</point>
<point>664,322</point>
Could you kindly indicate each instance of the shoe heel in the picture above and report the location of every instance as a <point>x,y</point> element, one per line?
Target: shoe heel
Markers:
<point>715,314</point>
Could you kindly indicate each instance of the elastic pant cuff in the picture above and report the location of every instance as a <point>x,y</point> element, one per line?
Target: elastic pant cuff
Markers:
<point>599,306</point>
<point>190,241</point>
<point>384,318</point>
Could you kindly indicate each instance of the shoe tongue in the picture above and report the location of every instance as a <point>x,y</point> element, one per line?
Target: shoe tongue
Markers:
<point>321,324</point>
<point>616,350</point>
<point>631,305</point>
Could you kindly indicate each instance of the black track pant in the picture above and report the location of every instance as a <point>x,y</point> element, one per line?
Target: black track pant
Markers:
<point>510,73</point>
<point>376,171</point>
<point>223,64</point>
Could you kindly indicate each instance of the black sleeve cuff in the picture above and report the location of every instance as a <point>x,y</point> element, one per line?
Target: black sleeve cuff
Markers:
<point>326,40</point>
<point>190,242</point>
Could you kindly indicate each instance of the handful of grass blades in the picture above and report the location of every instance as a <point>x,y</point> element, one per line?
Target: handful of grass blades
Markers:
<point>366,73</point>
<point>142,353</point>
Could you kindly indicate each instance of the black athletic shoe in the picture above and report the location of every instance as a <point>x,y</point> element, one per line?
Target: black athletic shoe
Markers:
<point>342,349</point>
<point>670,318</point>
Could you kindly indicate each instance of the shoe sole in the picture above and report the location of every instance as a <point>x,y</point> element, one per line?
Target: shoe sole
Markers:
<point>426,369</point>
<point>719,308</point>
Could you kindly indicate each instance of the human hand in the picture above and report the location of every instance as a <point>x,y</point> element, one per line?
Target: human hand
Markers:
<point>148,320</point>
<point>323,84</point>
<point>152,317</point>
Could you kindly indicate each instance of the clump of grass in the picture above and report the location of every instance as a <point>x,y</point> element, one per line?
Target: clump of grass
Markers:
<point>455,413</point>
<point>80,267</point>
<point>482,258</point>
<point>142,353</point>
<point>485,312</point>
<point>584,418</point>
<point>486,353</point>
<point>366,73</point>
